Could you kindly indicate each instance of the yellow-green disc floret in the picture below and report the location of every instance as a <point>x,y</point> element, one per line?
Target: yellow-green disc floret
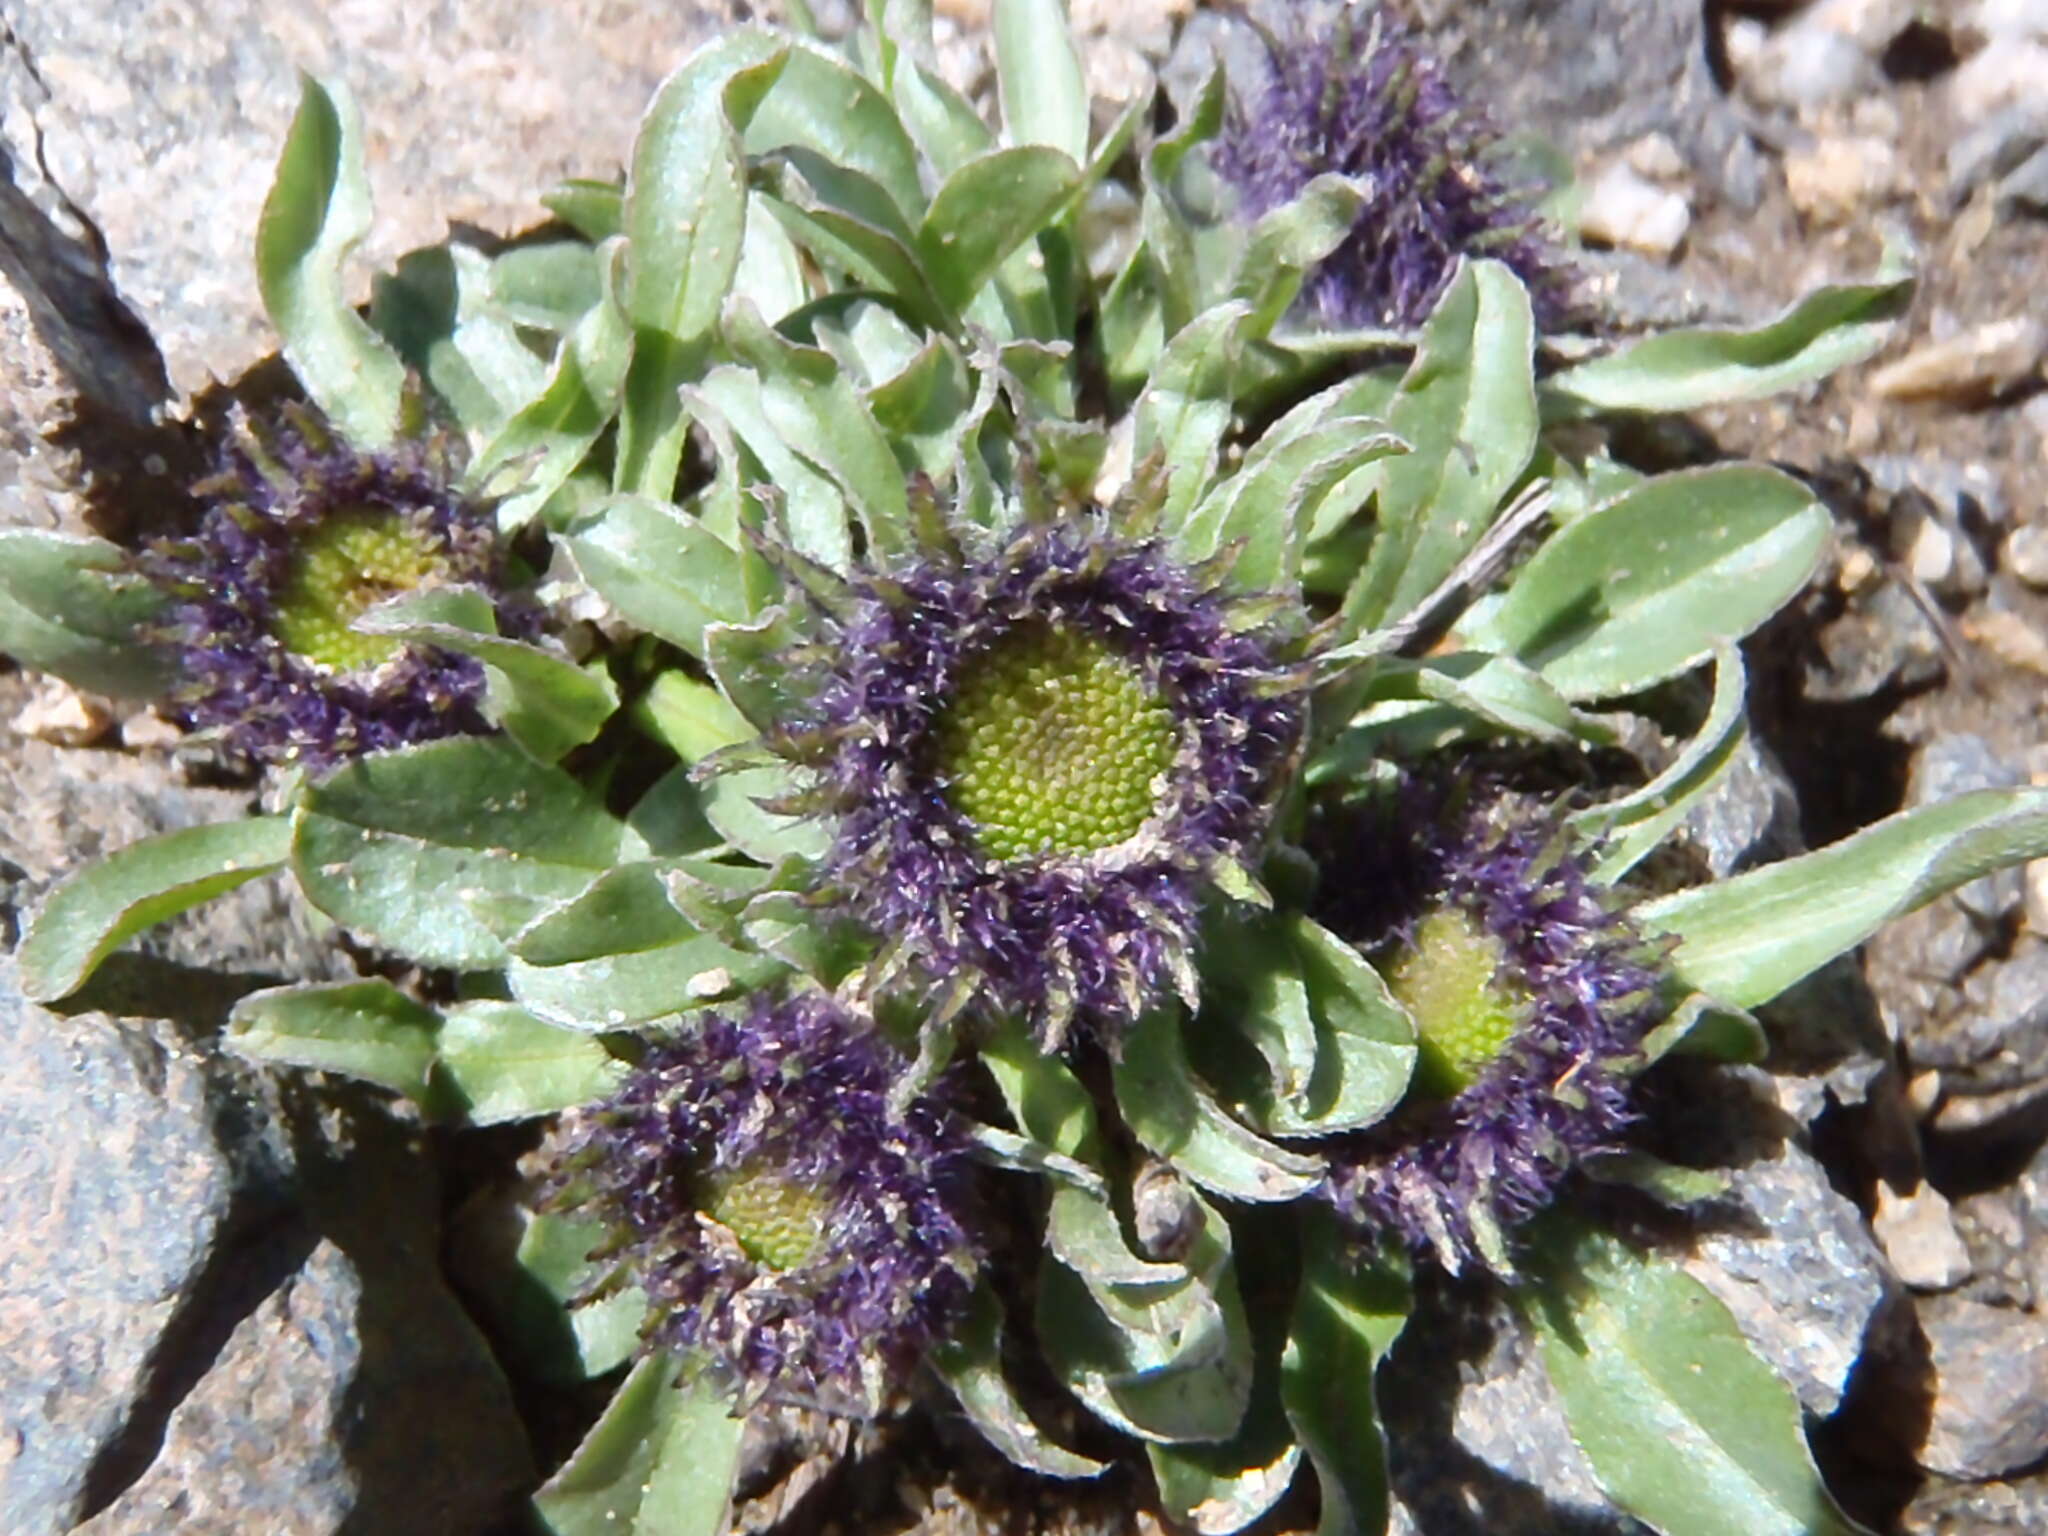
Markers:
<point>350,563</point>
<point>780,1224</point>
<point>1466,1011</point>
<point>1053,743</point>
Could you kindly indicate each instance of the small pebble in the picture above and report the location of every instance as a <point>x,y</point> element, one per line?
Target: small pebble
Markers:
<point>2037,897</point>
<point>1655,156</point>
<point>2008,637</point>
<point>1839,177</point>
<point>58,713</point>
<point>1623,209</point>
<point>1923,1093</point>
<point>2026,554</point>
<point>1918,1234</point>
<point>1971,367</point>
<point>146,730</point>
<point>1944,563</point>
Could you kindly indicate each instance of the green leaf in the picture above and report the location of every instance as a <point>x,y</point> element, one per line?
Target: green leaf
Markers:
<point>1288,241</point>
<point>1169,1363</point>
<point>545,702</point>
<point>547,439</point>
<point>441,851</point>
<point>620,954</point>
<point>698,721</point>
<point>798,401</point>
<point>969,1361</point>
<point>497,1062</point>
<point>1219,1487</point>
<point>102,906</point>
<point>1684,1426</point>
<point>1467,409</point>
<point>1743,941</point>
<point>317,211</point>
<point>1702,1026</point>
<point>365,1029</point>
<point>1175,1116</point>
<point>852,226</point>
<point>530,1296</point>
<point>551,285</point>
<point>1685,370</point>
<point>685,218</point>
<point>828,111</point>
<point>438,311</point>
<point>660,567</point>
<point>1338,1049</point>
<point>1346,1317</point>
<point>947,129</point>
<point>1038,69</point>
<point>1630,826</point>
<point>659,1462</point>
<point>1186,407</point>
<point>73,607</point>
<point>1651,583</point>
<point>985,210</point>
<point>594,209</point>
<point>1268,506</point>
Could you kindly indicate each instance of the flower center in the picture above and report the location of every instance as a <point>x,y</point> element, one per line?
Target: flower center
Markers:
<point>1465,1010</point>
<point>1053,743</point>
<point>351,562</point>
<point>780,1224</point>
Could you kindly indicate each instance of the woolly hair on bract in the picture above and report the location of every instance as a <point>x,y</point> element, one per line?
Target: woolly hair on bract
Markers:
<point>793,1230</point>
<point>1037,760</point>
<point>300,534</point>
<point>1351,88</point>
<point>1531,996</point>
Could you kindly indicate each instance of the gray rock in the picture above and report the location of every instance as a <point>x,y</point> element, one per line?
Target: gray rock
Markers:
<point>2025,187</point>
<point>1478,1440</point>
<point>2026,554</point>
<point>220,1300</point>
<point>1885,639</point>
<point>1978,1509</point>
<point>1991,1407</point>
<point>1791,1259</point>
<point>1749,817</point>
<point>1996,146</point>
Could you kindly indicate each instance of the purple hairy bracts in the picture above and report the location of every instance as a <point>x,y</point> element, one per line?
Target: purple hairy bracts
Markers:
<point>301,534</point>
<point>1359,94</point>
<point>1534,1074</point>
<point>790,1229</point>
<point>1037,763</point>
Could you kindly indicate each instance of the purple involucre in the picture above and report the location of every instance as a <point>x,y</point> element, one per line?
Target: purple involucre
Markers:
<point>273,490</point>
<point>800,1088</point>
<point>1446,1179</point>
<point>1364,97</point>
<point>1059,938</point>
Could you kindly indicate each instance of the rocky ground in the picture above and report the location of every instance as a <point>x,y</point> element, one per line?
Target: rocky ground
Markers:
<point>222,1306</point>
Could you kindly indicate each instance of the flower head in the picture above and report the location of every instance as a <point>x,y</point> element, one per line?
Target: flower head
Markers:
<point>1036,762</point>
<point>1530,998</point>
<point>301,535</point>
<point>786,1224</point>
<point>1361,95</point>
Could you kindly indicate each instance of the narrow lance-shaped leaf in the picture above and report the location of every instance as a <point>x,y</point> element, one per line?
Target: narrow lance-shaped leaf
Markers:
<point>545,441</point>
<point>363,1029</point>
<point>660,567</point>
<point>73,607</point>
<point>1186,407</point>
<point>1685,370</point>
<point>659,1462</point>
<point>970,1363</point>
<point>1684,1426</point>
<point>685,218</point>
<point>1467,409</point>
<point>1649,584</point>
<point>1038,69</point>
<point>317,211</point>
<point>1347,1315</point>
<point>496,1062</point>
<point>103,905</point>
<point>1743,941</point>
<point>988,208</point>
<point>1175,1116</point>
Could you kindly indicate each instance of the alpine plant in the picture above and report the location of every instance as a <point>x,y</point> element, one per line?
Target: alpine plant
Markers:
<point>1530,997</point>
<point>1352,89</point>
<point>301,534</point>
<point>1036,762</point>
<point>792,1230</point>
